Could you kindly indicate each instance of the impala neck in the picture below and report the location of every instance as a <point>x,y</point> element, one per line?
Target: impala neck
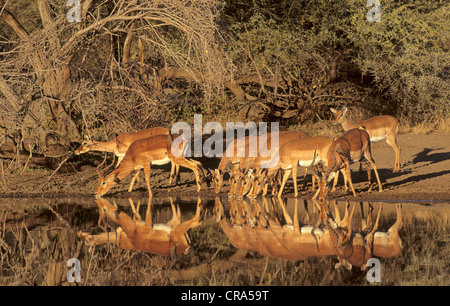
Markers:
<point>347,125</point>
<point>107,146</point>
<point>123,170</point>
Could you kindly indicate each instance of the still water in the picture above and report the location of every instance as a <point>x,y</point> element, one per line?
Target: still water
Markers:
<point>218,241</point>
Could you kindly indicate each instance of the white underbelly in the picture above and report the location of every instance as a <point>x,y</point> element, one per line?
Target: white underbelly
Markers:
<point>376,139</point>
<point>307,163</point>
<point>308,229</point>
<point>354,161</point>
<point>162,227</point>
<point>161,161</point>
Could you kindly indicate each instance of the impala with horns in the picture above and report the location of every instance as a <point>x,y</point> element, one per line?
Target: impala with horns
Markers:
<point>119,146</point>
<point>136,234</point>
<point>240,157</point>
<point>351,147</point>
<point>142,153</point>
<point>379,128</point>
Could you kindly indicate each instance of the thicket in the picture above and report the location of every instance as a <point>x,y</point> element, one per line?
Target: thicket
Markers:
<point>130,65</point>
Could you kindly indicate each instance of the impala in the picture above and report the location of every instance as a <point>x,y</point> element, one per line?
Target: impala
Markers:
<point>142,154</point>
<point>379,128</point>
<point>259,178</point>
<point>162,239</point>
<point>356,249</point>
<point>305,152</point>
<point>231,156</point>
<point>233,232</point>
<point>351,147</point>
<point>119,146</point>
<point>302,152</point>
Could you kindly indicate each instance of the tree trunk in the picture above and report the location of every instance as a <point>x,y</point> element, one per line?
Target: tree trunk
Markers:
<point>56,82</point>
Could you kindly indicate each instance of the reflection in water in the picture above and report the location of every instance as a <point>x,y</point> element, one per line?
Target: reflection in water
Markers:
<point>256,227</point>
<point>137,234</point>
<point>221,241</point>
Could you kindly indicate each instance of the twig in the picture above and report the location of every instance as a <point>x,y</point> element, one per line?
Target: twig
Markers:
<point>56,170</point>
<point>26,163</point>
<point>264,272</point>
<point>3,175</point>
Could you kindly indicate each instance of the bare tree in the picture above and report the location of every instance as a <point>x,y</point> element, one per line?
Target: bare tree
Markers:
<point>62,64</point>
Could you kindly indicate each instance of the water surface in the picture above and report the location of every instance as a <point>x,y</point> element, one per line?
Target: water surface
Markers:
<point>115,246</point>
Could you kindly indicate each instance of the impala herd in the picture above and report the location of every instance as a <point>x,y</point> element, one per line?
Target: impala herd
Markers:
<point>254,226</point>
<point>324,156</point>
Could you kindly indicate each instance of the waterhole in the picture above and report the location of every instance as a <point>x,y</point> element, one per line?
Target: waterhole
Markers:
<point>218,241</point>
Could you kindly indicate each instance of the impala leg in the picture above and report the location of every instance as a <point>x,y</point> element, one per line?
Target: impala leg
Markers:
<point>286,174</point>
<point>147,179</point>
<point>344,174</point>
<point>135,210</point>
<point>265,188</point>
<point>182,161</point>
<point>304,179</point>
<point>119,159</point>
<point>349,177</point>
<point>369,174</point>
<point>133,180</point>
<point>176,214</point>
<point>393,231</point>
<point>177,174</point>
<point>372,164</point>
<point>392,141</point>
<point>172,171</point>
<point>294,178</point>
<point>369,237</point>
<point>335,180</point>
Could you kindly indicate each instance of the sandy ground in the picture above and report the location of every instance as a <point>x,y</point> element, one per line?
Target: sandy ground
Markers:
<point>424,175</point>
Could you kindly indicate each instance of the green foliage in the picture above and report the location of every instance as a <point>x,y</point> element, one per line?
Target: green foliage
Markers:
<point>406,53</point>
<point>298,57</point>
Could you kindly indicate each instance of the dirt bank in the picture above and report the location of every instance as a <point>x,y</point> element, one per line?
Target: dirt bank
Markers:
<point>425,175</point>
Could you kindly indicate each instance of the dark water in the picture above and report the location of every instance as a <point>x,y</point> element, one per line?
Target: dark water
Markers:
<point>221,242</point>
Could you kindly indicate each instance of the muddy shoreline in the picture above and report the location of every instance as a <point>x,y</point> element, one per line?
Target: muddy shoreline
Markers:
<point>424,176</point>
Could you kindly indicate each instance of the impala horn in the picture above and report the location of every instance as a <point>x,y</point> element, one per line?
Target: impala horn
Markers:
<point>101,173</point>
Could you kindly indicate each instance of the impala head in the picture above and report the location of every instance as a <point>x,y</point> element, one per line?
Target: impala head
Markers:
<point>105,183</point>
<point>258,214</point>
<point>339,114</point>
<point>235,184</point>
<point>244,184</point>
<point>85,146</point>
<point>258,182</point>
<point>354,253</point>
<point>324,178</point>
<point>217,178</point>
<point>105,208</point>
<point>218,210</point>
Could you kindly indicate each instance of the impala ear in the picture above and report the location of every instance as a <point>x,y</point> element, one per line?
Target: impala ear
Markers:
<point>333,110</point>
<point>217,171</point>
<point>344,109</point>
<point>116,179</point>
